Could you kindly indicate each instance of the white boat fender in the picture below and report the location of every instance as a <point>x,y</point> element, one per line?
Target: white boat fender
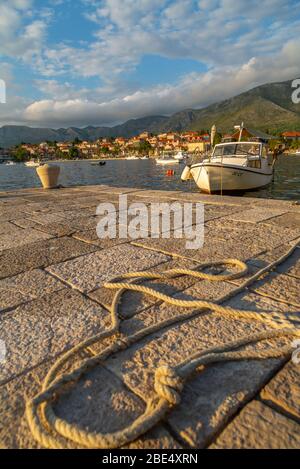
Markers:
<point>186,174</point>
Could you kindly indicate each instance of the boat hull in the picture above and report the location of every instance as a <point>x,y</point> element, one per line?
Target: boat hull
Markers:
<point>166,162</point>
<point>213,177</point>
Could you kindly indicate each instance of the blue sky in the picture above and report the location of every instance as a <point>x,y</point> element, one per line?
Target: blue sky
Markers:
<point>100,62</point>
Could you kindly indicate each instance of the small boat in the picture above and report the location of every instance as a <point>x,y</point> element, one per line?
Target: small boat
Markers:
<point>179,156</point>
<point>98,163</point>
<point>234,166</point>
<point>133,157</point>
<point>32,163</point>
<point>10,163</point>
<point>166,159</point>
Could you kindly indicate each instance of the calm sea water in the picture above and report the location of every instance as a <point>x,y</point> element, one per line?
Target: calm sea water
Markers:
<point>145,174</point>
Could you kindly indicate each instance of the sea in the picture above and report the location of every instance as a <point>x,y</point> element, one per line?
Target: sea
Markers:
<point>145,174</point>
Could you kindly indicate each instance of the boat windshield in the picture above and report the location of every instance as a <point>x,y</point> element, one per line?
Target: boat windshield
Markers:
<point>237,149</point>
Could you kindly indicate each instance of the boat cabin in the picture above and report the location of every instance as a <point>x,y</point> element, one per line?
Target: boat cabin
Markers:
<point>248,154</point>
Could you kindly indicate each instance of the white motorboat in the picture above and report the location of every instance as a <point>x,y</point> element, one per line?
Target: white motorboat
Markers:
<point>133,157</point>
<point>234,166</point>
<point>32,164</point>
<point>179,156</point>
<point>10,163</point>
<point>166,159</point>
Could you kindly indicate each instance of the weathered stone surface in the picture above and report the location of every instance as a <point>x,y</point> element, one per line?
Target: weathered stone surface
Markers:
<point>259,427</point>
<point>99,400</point>
<point>214,396</point>
<point>25,287</point>
<point>213,249</point>
<point>43,328</point>
<point>258,236</point>
<point>25,223</point>
<point>90,236</point>
<point>284,390</point>
<point>8,228</point>
<point>287,220</point>
<point>212,212</point>
<point>255,215</point>
<point>46,218</point>
<point>134,302</point>
<point>176,343</point>
<point>41,254</point>
<point>279,286</point>
<point>89,272</point>
<point>9,213</point>
<point>38,320</point>
<point>21,237</point>
<point>253,302</point>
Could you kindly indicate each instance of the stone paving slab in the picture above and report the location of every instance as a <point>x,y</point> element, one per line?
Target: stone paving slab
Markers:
<point>281,287</point>
<point>43,328</point>
<point>41,254</point>
<point>215,249</point>
<point>8,228</point>
<point>21,237</point>
<point>284,390</point>
<point>89,272</point>
<point>259,427</point>
<point>25,287</point>
<point>288,220</point>
<point>255,215</point>
<point>90,236</point>
<point>259,235</point>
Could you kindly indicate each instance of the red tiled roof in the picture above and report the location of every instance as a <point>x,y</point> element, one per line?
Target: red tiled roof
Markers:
<point>291,134</point>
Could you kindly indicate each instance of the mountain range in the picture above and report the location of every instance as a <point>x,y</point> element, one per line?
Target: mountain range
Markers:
<point>267,108</point>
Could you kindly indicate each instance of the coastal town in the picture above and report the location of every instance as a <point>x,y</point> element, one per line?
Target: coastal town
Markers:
<point>144,144</point>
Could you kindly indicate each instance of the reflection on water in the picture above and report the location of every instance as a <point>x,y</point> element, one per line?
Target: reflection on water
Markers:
<point>145,174</point>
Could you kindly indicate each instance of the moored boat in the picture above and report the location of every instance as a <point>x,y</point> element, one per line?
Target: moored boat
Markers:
<point>179,156</point>
<point>234,166</point>
<point>32,163</point>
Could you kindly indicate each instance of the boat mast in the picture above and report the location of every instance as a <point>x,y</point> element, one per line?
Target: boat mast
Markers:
<point>241,131</point>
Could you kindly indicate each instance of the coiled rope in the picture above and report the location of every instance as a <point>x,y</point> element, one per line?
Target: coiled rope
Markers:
<point>53,432</point>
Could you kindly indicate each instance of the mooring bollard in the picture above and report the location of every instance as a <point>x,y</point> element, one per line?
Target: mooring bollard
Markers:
<point>48,175</point>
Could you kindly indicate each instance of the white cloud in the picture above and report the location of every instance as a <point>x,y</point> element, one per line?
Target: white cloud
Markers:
<point>20,35</point>
<point>195,90</point>
<point>241,44</point>
<point>224,32</point>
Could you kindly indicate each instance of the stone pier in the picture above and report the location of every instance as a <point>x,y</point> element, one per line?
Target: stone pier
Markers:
<point>52,270</point>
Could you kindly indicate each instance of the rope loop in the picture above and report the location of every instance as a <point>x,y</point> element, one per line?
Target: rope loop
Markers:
<point>168,384</point>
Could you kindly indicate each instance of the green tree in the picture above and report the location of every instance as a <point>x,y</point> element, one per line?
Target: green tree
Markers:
<point>21,154</point>
<point>144,148</point>
<point>73,153</point>
<point>104,150</point>
<point>217,139</point>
